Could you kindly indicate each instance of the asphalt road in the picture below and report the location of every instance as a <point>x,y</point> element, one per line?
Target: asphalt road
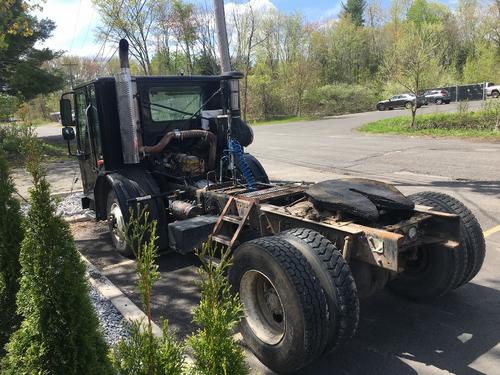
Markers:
<point>458,334</point>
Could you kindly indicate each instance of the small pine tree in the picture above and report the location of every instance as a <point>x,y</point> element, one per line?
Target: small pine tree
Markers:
<point>215,350</point>
<point>10,240</point>
<point>143,353</point>
<point>355,9</point>
<point>59,333</point>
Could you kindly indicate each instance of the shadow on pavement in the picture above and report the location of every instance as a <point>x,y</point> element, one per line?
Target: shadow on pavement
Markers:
<point>481,187</point>
<point>174,294</point>
<point>448,334</point>
<point>395,335</point>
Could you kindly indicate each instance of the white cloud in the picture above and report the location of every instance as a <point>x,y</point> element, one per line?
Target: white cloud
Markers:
<point>258,6</point>
<point>333,13</point>
<point>75,22</point>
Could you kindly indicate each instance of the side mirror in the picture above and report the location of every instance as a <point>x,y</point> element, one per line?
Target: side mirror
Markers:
<point>68,133</point>
<point>66,112</point>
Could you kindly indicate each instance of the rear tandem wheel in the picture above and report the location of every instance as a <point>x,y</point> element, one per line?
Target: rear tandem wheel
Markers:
<point>285,323</point>
<point>336,280</point>
<point>436,271</point>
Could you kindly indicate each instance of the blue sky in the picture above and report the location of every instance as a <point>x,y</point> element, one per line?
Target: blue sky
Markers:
<point>76,20</point>
<point>313,10</point>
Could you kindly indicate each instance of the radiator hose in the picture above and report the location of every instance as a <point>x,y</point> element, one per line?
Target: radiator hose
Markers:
<point>237,150</point>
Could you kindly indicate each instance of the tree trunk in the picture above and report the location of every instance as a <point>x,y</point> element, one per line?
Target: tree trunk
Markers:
<point>413,115</point>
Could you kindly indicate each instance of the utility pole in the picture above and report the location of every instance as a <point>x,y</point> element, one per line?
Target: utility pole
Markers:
<point>70,64</point>
<point>220,21</point>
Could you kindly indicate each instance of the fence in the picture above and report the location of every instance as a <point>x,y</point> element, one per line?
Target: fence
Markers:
<point>464,92</point>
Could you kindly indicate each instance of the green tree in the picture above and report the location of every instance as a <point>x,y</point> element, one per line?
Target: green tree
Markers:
<point>215,351</point>
<point>185,30</point>
<point>22,65</point>
<point>482,66</point>
<point>412,62</point>
<point>59,333</point>
<point>131,19</point>
<point>355,9</point>
<point>8,106</point>
<point>144,353</point>
<point>10,240</point>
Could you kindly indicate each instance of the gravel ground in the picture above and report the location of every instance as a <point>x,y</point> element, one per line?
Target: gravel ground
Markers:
<point>71,205</point>
<point>68,206</point>
<point>113,325</point>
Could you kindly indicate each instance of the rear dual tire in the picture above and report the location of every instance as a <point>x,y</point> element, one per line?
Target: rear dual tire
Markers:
<point>437,271</point>
<point>285,309</point>
<point>299,298</point>
<point>336,280</point>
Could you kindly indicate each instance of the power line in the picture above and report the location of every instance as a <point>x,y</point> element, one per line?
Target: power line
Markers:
<point>76,25</point>
<point>101,49</point>
<point>108,61</point>
<point>88,27</point>
<point>71,65</point>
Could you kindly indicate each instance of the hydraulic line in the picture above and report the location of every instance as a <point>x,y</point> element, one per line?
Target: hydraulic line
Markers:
<point>237,151</point>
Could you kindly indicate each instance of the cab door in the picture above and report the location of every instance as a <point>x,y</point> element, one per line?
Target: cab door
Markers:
<point>88,138</point>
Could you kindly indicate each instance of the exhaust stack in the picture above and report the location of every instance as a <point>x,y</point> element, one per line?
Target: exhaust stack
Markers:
<point>127,110</point>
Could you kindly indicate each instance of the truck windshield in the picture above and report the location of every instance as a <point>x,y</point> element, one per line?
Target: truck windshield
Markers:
<point>186,102</point>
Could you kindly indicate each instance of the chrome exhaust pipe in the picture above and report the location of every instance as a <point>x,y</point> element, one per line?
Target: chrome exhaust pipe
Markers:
<point>127,108</point>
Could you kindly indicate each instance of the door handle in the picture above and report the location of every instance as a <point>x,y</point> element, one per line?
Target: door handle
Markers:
<point>82,156</point>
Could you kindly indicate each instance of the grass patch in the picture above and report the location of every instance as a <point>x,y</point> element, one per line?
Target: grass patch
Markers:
<point>283,120</point>
<point>11,142</point>
<point>34,123</point>
<point>479,124</point>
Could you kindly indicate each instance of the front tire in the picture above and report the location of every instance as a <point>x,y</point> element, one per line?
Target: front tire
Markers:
<point>439,101</point>
<point>408,105</point>
<point>285,321</point>
<point>495,94</point>
<point>116,223</point>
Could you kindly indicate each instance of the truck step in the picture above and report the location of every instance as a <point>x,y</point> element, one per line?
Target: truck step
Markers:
<point>232,219</point>
<point>225,240</point>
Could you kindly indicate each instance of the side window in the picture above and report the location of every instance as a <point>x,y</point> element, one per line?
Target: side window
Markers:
<point>82,126</point>
<point>95,126</point>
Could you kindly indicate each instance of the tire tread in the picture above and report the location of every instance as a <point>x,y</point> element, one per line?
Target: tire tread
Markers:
<point>475,245</point>
<point>342,279</point>
<point>309,292</point>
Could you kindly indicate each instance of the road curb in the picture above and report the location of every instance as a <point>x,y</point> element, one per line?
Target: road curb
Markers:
<point>123,304</point>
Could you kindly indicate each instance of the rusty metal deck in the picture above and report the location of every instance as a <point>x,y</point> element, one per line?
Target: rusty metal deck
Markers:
<point>273,192</point>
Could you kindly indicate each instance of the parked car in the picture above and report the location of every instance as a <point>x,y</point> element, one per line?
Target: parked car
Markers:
<point>437,96</point>
<point>400,101</point>
<point>492,89</point>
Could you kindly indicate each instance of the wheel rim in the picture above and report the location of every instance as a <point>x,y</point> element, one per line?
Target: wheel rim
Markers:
<point>439,101</point>
<point>408,105</point>
<point>264,310</point>
<point>116,225</point>
<point>420,263</point>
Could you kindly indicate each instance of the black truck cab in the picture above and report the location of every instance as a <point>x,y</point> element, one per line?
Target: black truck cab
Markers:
<point>194,110</point>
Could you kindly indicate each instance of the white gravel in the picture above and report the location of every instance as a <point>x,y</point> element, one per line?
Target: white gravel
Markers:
<point>71,205</point>
<point>67,206</point>
<point>113,325</point>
